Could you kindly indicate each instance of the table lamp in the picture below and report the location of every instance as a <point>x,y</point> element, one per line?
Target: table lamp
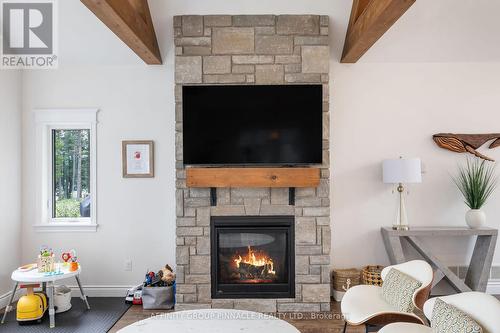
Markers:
<point>402,171</point>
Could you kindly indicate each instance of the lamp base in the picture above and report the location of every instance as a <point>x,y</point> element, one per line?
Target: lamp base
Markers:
<point>400,227</point>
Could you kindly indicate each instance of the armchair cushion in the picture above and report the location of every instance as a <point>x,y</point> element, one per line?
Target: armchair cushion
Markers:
<point>363,302</point>
<point>447,318</point>
<point>398,290</point>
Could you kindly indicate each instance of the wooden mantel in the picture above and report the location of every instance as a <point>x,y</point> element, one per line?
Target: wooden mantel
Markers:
<point>369,20</point>
<point>131,21</point>
<point>252,177</point>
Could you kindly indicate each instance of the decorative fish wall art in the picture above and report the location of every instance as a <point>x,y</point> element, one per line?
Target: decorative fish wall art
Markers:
<point>467,143</point>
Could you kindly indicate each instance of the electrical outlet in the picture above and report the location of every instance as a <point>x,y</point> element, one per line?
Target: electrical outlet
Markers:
<point>128,265</point>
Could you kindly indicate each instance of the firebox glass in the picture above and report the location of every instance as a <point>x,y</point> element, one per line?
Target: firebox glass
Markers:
<point>252,257</point>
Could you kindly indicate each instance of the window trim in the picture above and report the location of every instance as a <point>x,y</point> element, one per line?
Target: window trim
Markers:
<point>47,120</point>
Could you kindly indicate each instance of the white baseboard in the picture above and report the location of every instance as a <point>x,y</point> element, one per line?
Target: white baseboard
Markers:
<point>90,291</point>
<point>5,298</point>
<point>493,287</point>
<point>100,291</point>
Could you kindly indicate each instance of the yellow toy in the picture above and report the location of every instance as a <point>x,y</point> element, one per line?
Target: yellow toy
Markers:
<point>32,307</point>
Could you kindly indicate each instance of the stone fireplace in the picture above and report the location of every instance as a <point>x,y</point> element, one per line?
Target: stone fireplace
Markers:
<point>290,261</point>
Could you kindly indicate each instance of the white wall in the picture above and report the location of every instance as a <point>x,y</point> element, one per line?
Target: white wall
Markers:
<point>10,177</point>
<point>387,110</point>
<point>135,216</point>
<point>379,110</point>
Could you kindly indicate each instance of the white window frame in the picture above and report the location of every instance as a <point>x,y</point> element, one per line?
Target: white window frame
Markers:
<point>47,120</point>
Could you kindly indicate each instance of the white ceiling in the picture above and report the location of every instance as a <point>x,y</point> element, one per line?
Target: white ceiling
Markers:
<point>431,30</point>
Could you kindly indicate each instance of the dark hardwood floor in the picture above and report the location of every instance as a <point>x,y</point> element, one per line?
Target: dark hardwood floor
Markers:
<point>325,322</point>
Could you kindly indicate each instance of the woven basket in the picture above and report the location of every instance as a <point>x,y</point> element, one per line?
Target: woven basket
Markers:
<point>371,275</point>
<point>343,279</point>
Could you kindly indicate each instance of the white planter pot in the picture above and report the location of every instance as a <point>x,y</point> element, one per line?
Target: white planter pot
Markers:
<point>475,218</point>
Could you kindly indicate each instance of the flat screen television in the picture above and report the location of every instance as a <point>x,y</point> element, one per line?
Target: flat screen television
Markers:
<point>252,125</point>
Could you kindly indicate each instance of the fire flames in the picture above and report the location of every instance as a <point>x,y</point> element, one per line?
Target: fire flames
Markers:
<point>257,260</point>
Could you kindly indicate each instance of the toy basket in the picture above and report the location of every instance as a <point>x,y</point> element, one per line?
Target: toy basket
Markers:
<point>372,275</point>
<point>343,279</point>
<point>45,264</point>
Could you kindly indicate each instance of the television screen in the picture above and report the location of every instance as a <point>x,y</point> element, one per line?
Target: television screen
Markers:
<point>252,125</point>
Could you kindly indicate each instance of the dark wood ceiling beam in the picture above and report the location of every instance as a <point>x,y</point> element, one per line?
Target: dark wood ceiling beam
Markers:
<point>369,20</point>
<point>131,21</point>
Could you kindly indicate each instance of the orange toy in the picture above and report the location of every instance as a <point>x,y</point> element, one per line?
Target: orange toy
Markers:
<point>73,266</point>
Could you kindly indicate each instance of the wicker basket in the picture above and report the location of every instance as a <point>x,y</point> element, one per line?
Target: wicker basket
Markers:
<point>371,275</point>
<point>343,279</point>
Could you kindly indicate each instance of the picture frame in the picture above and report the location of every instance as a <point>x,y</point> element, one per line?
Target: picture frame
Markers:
<point>138,159</point>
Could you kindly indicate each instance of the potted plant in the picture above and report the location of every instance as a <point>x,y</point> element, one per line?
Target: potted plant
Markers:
<point>476,180</point>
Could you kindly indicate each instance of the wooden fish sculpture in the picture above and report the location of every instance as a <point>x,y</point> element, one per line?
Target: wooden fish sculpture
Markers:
<point>467,143</point>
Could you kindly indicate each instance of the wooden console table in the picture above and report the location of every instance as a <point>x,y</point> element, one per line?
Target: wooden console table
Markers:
<point>480,264</point>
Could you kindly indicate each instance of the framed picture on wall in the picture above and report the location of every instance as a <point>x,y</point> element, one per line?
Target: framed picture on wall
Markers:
<point>138,159</point>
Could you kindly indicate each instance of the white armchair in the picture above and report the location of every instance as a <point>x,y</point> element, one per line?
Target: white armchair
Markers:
<point>364,304</point>
<point>483,308</point>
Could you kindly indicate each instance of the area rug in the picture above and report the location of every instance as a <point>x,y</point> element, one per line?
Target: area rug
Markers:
<point>103,314</point>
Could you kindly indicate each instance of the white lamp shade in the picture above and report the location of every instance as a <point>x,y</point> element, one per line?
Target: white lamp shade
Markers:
<point>402,170</point>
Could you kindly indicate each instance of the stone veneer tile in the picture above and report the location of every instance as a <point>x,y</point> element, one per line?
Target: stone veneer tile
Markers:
<point>324,20</point>
<point>252,206</point>
<point>315,292</point>
<point>192,25</point>
<point>253,20</point>
<point>197,50</point>
<point>188,70</point>
<point>273,44</point>
<point>257,305</point>
<point>298,25</point>
<point>287,59</point>
<point>233,40</point>
<point>217,64</point>
<point>253,59</point>
<point>302,78</point>
<point>222,304</point>
<point>193,41</point>
<point>256,49</point>
<point>265,30</point>
<point>269,74</point>
<point>299,307</point>
<point>315,59</point>
<point>311,40</point>
<point>199,264</point>
<point>191,306</point>
<point>305,230</point>
<point>218,20</point>
<point>243,69</point>
<point>302,264</point>
<point>224,78</point>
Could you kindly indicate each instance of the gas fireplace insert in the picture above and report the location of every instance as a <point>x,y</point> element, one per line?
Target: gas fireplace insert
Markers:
<point>252,257</point>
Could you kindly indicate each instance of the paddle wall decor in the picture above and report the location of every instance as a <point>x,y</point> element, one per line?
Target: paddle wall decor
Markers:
<point>467,143</point>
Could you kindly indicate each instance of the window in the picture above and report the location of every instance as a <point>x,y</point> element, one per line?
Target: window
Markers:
<point>66,160</point>
<point>71,195</point>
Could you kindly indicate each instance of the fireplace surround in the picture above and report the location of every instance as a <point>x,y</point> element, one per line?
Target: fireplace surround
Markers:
<point>261,50</point>
<point>252,256</point>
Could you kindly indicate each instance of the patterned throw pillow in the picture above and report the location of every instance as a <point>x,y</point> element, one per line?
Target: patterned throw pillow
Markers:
<point>446,318</point>
<point>398,289</point>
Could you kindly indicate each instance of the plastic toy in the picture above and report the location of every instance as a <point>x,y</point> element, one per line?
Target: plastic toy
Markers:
<point>137,297</point>
<point>67,256</point>
<point>129,298</point>
<point>167,275</point>
<point>31,307</point>
<point>45,260</point>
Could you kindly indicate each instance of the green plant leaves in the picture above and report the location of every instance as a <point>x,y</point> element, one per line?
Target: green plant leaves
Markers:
<point>476,180</point>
